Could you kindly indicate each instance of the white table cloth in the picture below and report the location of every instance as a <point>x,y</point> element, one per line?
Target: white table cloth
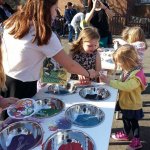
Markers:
<point>101,133</point>
<point>106,58</point>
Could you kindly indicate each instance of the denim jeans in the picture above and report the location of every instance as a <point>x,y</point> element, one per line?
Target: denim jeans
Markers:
<point>70,34</point>
<point>77,32</point>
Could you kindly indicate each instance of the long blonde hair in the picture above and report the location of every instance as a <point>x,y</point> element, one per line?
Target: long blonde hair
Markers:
<point>2,74</point>
<point>136,34</point>
<point>36,12</point>
<point>127,56</point>
<point>87,34</point>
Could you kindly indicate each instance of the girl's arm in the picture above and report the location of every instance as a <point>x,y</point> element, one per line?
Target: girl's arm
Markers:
<point>71,66</point>
<point>128,85</point>
<point>120,41</point>
<point>5,102</point>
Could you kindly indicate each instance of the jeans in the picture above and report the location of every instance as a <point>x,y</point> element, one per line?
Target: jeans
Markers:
<point>70,34</point>
<point>77,32</point>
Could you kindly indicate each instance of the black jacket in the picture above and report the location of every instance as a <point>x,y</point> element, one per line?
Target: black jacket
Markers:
<point>3,15</point>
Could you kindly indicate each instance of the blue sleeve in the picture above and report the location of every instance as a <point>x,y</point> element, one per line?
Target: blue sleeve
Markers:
<point>66,15</point>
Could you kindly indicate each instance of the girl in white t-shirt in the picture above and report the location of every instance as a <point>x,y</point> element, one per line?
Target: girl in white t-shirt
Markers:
<point>27,40</point>
<point>4,102</point>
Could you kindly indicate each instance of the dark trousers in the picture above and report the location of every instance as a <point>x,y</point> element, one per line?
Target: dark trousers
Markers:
<point>131,124</point>
<point>19,89</point>
<point>70,34</point>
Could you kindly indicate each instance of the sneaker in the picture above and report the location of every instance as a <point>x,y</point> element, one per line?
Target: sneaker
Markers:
<point>135,144</point>
<point>120,136</point>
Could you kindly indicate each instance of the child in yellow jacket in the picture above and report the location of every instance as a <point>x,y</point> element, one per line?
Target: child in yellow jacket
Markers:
<point>132,83</point>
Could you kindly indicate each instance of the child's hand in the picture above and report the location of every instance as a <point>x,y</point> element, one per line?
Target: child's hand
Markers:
<point>104,79</point>
<point>93,73</point>
<point>83,80</point>
<point>120,41</point>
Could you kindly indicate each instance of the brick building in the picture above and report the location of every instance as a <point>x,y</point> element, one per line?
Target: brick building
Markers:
<point>128,13</point>
<point>139,8</point>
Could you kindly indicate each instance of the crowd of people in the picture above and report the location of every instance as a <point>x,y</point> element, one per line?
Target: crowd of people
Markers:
<point>74,21</point>
<point>32,29</point>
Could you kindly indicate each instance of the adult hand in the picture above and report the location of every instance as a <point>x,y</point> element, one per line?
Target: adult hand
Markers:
<point>95,3</point>
<point>98,4</point>
<point>102,6</point>
<point>5,102</point>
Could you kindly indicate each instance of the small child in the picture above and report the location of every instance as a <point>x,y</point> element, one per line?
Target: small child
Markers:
<point>123,40</point>
<point>84,51</point>
<point>132,83</point>
<point>124,33</point>
<point>134,36</point>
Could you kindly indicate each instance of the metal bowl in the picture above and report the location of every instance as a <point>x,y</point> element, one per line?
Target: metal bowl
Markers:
<point>23,108</point>
<point>94,93</point>
<point>62,89</point>
<point>22,135</point>
<point>85,115</point>
<point>69,139</point>
<point>49,107</point>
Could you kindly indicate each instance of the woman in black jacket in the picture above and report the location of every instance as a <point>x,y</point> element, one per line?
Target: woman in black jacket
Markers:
<point>5,11</point>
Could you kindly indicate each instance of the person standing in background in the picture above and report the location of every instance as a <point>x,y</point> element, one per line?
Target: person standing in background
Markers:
<point>5,11</point>
<point>68,15</point>
<point>75,23</point>
<point>98,17</point>
<point>57,25</point>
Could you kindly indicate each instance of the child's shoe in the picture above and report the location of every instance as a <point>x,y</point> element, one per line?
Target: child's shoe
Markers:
<point>135,144</point>
<point>120,136</point>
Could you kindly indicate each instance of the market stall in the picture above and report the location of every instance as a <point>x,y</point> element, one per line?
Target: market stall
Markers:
<point>81,118</point>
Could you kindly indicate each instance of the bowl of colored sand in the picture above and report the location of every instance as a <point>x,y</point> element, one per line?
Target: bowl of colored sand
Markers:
<point>49,107</point>
<point>94,93</point>
<point>23,108</point>
<point>21,135</point>
<point>62,89</point>
<point>85,115</point>
<point>69,140</point>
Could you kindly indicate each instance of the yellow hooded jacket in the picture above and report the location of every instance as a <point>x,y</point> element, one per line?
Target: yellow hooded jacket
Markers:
<point>130,90</point>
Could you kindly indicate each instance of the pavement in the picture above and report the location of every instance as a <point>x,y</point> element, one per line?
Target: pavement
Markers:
<point>145,122</point>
